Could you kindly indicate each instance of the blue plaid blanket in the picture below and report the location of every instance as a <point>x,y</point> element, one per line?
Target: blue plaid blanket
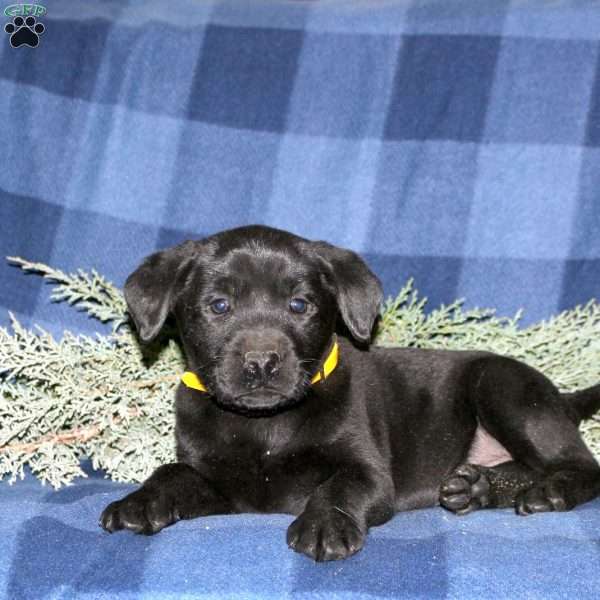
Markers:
<point>52,548</point>
<point>454,142</point>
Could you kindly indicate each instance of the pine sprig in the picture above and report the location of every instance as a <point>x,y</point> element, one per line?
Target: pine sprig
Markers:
<point>105,398</point>
<point>91,293</point>
<point>63,399</point>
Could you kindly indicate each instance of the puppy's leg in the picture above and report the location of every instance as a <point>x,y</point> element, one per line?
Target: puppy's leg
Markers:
<point>470,487</point>
<point>525,412</point>
<point>338,514</point>
<point>173,492</point>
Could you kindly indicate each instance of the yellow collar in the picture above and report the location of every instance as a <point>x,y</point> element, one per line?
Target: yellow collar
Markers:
<point>194,382</point>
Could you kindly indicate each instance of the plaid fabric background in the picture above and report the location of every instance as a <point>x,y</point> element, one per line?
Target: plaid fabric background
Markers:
<point>52,548</point>
<point>455,142</point>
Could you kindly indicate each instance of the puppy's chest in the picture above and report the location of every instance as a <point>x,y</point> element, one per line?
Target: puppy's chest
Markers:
<point>264,474</point>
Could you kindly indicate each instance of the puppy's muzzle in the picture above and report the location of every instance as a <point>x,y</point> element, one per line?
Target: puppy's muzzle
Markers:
<point>260,370</point>
<point>260,367</point>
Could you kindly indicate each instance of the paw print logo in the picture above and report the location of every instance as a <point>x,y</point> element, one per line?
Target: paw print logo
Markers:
<point>24,32</point>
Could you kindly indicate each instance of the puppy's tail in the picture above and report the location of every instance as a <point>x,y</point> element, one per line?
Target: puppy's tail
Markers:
<point>583,403</point>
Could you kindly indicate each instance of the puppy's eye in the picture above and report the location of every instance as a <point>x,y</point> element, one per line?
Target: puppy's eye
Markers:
<point>298,305</point>
<point>220,306</point>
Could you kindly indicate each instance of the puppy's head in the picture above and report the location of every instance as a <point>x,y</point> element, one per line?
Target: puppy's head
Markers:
<point>256,309</point>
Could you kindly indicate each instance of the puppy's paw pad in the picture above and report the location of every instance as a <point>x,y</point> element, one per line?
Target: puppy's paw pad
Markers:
<point>544,497</point>
<point>331,535</point>
<point>465,490</point>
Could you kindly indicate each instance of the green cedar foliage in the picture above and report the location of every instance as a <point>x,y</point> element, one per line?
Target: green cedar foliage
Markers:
<point>107,398</point>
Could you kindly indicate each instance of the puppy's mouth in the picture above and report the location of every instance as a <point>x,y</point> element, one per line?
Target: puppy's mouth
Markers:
<point>262,401</point>
<point>266,392</point>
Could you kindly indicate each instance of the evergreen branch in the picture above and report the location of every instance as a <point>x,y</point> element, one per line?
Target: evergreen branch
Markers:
<point>103,398</point>
<point>77,434</point>
<point>92,293</point>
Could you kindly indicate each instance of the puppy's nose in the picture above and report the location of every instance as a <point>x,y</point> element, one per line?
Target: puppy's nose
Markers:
<point>260,366</point>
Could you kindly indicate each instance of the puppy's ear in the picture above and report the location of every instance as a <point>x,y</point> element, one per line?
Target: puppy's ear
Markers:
<point>356,287</point>
<point>152,289</point>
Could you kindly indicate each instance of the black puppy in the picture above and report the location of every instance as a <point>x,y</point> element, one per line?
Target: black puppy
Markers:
<point>276,415</point>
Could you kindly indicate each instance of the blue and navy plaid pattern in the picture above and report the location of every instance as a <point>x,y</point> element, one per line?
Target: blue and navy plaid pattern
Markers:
<point>52,548</point>
<point>454,142</point>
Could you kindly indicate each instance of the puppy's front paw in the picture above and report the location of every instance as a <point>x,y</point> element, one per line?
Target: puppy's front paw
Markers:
<point>327,535</point>
<point>141,512</point>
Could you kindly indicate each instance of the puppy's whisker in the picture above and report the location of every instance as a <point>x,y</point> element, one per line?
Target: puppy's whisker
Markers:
<point>307,361</point>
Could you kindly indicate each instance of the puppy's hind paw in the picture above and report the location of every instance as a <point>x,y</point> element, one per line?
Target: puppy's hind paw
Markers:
<point>544,497</point>
<point>466,489</point>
